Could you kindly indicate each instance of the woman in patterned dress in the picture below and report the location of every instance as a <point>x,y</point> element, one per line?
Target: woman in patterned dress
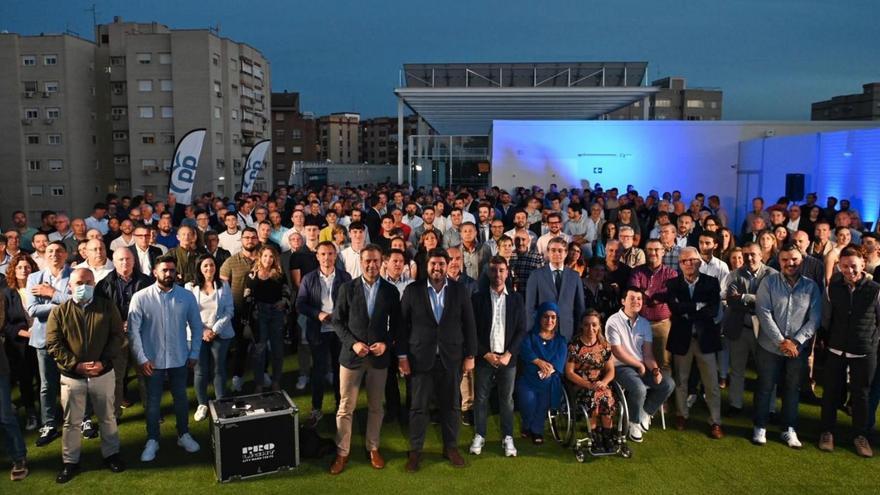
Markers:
<point>590,369</point>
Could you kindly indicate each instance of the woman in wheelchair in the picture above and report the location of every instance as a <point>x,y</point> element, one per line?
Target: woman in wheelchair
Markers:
<point>590,370</point>
<point>540,386</point>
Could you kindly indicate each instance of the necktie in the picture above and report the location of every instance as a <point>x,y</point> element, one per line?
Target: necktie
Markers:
<point>557,275</point>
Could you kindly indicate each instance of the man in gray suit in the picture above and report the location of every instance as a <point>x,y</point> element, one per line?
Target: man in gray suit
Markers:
<point>558,283</point>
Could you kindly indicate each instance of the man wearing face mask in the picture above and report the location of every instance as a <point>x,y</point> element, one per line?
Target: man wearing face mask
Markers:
<point>84,336</point>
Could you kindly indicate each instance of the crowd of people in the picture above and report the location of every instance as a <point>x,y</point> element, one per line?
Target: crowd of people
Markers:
<point>432,300</point>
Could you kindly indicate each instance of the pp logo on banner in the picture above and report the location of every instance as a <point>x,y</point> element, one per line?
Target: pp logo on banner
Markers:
<point>184,174</point>
<point>253,453</point>
<point>252,175</point>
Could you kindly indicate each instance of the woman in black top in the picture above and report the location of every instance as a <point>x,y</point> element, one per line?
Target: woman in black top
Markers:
<point>267,288</point>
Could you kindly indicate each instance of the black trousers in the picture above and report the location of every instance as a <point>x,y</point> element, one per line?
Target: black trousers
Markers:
<point>442,385</point>
<point>393,406</point>
<point>241,344</point>
<point>25,373</point>
<point>861,370</point>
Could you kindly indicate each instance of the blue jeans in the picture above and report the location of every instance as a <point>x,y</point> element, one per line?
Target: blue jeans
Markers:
<point>50,387</point>
<point>484,375</point>
<point>873,399</point>
<point>773,368</point>
<point>9,423</point>
<point>270,321</point>
<point>642,394</point>
<point>212,362</point>
<point>325,359</point>
<point>155,387</point>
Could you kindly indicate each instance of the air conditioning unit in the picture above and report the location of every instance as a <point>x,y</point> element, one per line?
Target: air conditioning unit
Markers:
<point>49,121</point>
<point>219,94</point>
<point>28,94</point>
<point>46,94</point>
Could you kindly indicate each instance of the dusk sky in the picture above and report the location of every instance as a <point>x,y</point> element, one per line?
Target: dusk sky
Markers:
<point>772,58</point>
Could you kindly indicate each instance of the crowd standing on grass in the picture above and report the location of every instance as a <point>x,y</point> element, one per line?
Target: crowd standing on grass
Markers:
<point>432,300</point>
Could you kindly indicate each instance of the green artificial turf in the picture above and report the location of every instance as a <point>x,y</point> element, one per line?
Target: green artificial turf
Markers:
<point>666,462</point>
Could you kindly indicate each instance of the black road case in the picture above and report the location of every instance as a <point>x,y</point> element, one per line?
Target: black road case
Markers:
<point>254,435</point>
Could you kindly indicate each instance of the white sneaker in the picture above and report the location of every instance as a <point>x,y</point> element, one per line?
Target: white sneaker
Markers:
<point>507,445</point>
<point>267,380</point>
<point>237,383</point>
<point>188,443</point>
<point>302,382</point>
<point>150,450</point>
<point>201,413</point>
<point>645,421</point>
<point>759,436</point>
<point>635,432</point>
<point>790,438</point>
<point>477,444</point>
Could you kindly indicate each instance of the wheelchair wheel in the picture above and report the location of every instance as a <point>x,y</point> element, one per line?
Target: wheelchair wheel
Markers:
<point>621,416</point>
<point>561,420</point>
<point>580,455</point>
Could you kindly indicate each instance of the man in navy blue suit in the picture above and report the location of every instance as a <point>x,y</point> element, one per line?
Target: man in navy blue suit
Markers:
<point>557,283</point>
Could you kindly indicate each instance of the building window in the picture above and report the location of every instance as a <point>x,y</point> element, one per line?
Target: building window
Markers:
<point>54,139</point>
<point>36,190</point>
<point>56,165</point>
<point>148,138</point>
<point>296,134</point>
<point>279,132</point>
<point>234,114</point>
<point>28,60</point>
<point>33,165</point>
<point>120,159</point>
<point>280,150</point>
<point>57,190</point>
<point>215,59</point>
<point>167,112</point>
<point>120,135</point>
<point>145,58</point>
<point>50,86</point>
<point>166,164</point>
<point>145,85</point>
<point>235,139</point>
<point>31,113</point>
<point>165,85</point>
<point>713,104</point>
<point>148,163</point>
<point>218,112</point>
<point>663,103</point>
<point>117,61</point>
<point>167,138</point>
<point>50,59</point>
<point>117,88</point>
<point>145,112</point>
<point>695,104</point>
<point>279,117</point>
<point>118,112</point>
<point>33,139</point>
<point>296,150</point>
<point>53,113</point>
<point>165,58</point>
<point>218,138</point>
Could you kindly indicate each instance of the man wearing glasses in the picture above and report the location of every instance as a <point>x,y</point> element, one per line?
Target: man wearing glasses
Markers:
<point>554,222</point>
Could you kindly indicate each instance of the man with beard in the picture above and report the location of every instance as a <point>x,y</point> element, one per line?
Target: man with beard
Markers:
<point>166,235</point>
<point>186,254</point>
<point>126,239</point>
<point>157,321</point>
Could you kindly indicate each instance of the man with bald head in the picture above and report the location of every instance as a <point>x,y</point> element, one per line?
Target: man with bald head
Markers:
<point>96,259</point>
<point>84,336</point>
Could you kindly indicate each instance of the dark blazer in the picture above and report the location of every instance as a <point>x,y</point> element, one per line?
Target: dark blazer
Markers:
<point>541,287</point>
<point>16,315</point>
<point>222,255</point>
<point>308,300</point>
<point>153,252</point>
<point>514,322</point>
<point>107,288</point>
<point>353,324</point>
<point>687,319</point>
<point>421,335</point>
<point>373,221</point>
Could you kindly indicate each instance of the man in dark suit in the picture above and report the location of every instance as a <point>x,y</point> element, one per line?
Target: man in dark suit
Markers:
<point>366,318</point>
<point>557,283</point>
<point>145,255</point>
<point>694,300</point>
<point>318,291</point>
<point>373,218</point>
<point>437,344</point>
<point>501,327</point>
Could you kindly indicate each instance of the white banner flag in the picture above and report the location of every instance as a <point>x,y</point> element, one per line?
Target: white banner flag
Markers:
<point>255,164</point>
<point>186,161</point>
<point>292,177</point>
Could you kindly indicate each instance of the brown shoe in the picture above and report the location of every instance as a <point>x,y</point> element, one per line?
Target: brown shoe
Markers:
<point>376,459</point>
<point>413,459</point>
<point>715,432</point>
<point>680,422</point>
<point>722,383</point>
<point>454,457</point>
<point>863,448</point>
<point>826,442</point>
<point>19,470</point>
<point>338,464</point>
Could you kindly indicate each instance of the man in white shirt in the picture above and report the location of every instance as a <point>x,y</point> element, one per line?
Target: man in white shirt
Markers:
<point>554,222</point>
<point>230,239</point>
<point>97,220</point>
<point>127,237</point>
<point>351,256</point>
<point>96,260</point>
<point>62,228</point>
<point>631,340</point>
<point>40,243</point>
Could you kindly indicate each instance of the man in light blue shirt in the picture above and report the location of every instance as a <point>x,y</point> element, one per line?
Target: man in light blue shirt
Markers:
<point>789,309</point>
<point>157,321</point>
<point>47,289</point>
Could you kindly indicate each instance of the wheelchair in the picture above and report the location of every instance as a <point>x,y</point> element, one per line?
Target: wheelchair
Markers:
<point>570,426</point>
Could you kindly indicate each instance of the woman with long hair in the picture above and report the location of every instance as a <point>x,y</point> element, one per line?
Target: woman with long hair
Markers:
<point>609,231</point>
<point>842,239</point>
<point>726,246</point>
<point>268,290</point>
<point>22,357</point>
<point>539,388</point>
<point>428,241</point>
<point>767,243</point>
<point>735,259</point>
<point>780,232</point>
<point>216,307</point>
<point>574,259</point>
<point>590,368</point>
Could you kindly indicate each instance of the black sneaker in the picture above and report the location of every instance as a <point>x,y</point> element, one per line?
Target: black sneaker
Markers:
<point>88,429</point>
<point>467,418</point>
<point>67,473</point>
<point>47,434</point>
<point>114,463</point>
